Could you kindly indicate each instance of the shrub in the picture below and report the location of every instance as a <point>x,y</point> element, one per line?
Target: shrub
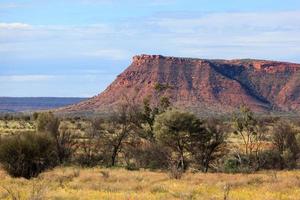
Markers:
<point>28,154</point>
<point>240,164</point>
<point>145,154</point>
<point>91,152</point>
<point>89,160</point>
<point>175,172</point>
<point>35,115</point>
<point>65,141</point>
<point>270,159</point>
<point>231,165</point>
<point>47,122</point>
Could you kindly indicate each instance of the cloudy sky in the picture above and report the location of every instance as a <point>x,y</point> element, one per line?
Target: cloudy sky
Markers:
<point>77,47</point>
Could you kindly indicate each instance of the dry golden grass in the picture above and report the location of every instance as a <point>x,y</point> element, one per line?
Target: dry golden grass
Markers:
<point>96,183</point>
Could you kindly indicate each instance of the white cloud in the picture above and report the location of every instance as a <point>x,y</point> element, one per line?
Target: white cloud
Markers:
<point>273,35</point>
<point>232,35</point>
<point>138,2</point>
<point>14,26</point>
<point>25,78</point>
<point>9,5</point>
<point>114,54</point>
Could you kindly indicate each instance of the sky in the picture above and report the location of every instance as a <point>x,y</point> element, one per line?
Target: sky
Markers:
<point>76,48</point>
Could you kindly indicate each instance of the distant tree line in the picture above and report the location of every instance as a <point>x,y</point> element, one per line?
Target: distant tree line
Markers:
<point>154,137</point>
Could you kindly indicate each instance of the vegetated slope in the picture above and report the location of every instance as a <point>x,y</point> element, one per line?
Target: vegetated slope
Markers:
<point>18,104</point>
<point>203,86</point>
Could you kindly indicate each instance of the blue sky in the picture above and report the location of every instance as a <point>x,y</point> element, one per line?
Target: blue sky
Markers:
<point>77,47</point>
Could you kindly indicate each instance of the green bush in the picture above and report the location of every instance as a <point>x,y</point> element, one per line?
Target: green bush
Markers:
<point>47,122</point>
<point>89,161</point>
<point>146,155</point>
<point>28,154</point>
<point>242,164</point>
<point>231,165</point>
<point>270,159</point>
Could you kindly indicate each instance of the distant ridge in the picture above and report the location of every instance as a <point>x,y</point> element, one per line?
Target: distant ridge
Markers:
<point>20,104</point>
<point>203,85</point>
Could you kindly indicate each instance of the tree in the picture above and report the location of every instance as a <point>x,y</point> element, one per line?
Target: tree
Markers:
<point>210,145</point>
<point>64,139</point>
<point>251,131</point>
<point>149,115</point>
<point>150,112</point>
<point>66,143</point>
<point>164,104</point>
<point>174,128</point>
<point>92,148</point>
<point>246,126</point>
<point>120,126</point>
<point>285,142</point>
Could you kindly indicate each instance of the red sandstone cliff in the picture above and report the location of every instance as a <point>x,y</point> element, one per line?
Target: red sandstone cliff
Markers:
<point>204,85</point>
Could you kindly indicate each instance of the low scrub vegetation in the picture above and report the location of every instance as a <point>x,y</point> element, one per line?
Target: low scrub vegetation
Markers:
<point>28,154</point>
<point>154,137</point>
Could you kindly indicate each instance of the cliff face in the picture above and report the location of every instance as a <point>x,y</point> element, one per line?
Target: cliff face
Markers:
<point>203,85</point>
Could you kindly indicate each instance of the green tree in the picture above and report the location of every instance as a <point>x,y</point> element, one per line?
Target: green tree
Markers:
<point>65,141</point>
<point>150,112</point>
<point>246,126</point>
<point>92,149</point>
<point>251,132</point>
<point>285,142</point>
<point>121,125</point>
<point>173,129</point>
<point>210,145</point>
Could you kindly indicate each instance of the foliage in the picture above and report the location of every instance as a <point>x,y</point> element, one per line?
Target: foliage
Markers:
<point>246,126</point>
<point>251,132</point>
<point>141,153</point>
<point>150,112</point>
<point>285,142</point>
<point>155,136</point>
<point>47,122</point>
<point>119,128</point>
<point>65,142</point>
<point>27,155</point>
<point>210,145</point>
<point>162,87</point>
<point>270,159</point>
<point>232,165</point>
<point>174,129</point>
<point>92,150</point>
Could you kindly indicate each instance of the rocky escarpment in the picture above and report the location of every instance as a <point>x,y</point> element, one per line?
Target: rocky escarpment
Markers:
<point>203,85</point>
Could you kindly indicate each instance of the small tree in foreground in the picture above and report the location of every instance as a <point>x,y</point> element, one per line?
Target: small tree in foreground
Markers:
<point>121,126</point>
<point>65,141</point>
<point>251,132</point>
<point>28,154</point>
<point>246,126</point>
<point>149,113</point>
<point>174,130</point>
<point>210,145</point>
<point>285,142</point>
